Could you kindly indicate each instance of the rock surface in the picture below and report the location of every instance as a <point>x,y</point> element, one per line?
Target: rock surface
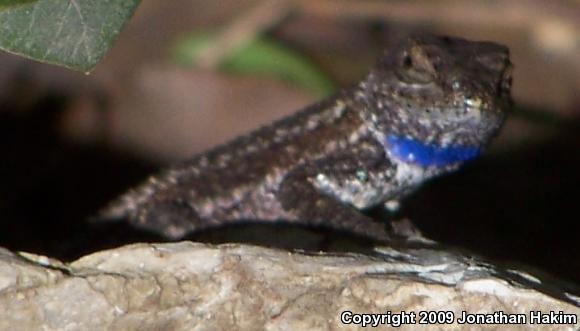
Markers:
<point>188,286</point>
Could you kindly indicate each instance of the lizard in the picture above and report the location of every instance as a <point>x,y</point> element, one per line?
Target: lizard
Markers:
<point>429,105</point>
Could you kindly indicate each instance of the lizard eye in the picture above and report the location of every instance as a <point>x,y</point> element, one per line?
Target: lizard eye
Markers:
<point>414,69</point>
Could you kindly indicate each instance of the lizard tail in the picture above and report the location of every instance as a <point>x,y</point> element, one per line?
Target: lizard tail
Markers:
<point>126,206</point>
<point>145,208</point>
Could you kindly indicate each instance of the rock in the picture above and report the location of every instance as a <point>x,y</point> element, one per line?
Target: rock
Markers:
<point>189,286</point>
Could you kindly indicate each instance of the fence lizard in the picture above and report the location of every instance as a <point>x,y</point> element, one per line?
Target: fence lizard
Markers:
<point>425,108</point>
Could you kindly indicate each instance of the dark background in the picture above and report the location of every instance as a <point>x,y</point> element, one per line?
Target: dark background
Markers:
<point>70,142</point>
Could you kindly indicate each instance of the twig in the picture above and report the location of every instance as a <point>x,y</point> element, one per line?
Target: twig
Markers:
<point>242,30</point>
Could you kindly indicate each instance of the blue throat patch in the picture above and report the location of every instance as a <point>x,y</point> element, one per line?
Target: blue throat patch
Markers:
<point>425,155</point>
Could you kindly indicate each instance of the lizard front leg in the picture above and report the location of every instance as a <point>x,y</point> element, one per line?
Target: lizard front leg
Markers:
<point>332,191</point>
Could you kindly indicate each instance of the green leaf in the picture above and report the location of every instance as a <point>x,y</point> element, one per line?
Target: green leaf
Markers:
<point>72,33</point>
<point>261,56</point>
<point>7,3</point>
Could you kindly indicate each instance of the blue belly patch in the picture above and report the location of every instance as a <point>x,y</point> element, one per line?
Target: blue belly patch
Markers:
<point>413,151</point>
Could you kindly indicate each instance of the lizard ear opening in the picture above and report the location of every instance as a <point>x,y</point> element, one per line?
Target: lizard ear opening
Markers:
<point>407,61</point>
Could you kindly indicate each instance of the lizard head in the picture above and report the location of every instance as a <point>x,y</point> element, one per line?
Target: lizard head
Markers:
<point>437,100</point>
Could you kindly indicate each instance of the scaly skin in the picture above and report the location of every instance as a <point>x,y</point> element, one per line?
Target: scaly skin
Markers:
<point>427,106</point>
